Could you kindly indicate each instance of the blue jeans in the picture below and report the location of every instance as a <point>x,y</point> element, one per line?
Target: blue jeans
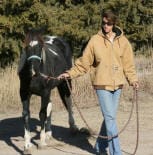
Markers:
<point>109,101</point>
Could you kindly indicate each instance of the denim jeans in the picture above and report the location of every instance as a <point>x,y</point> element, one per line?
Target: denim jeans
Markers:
<point>109,101</point>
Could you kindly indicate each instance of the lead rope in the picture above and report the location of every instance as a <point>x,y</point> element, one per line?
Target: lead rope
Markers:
<point>137,119</point>
<point>135,99</point>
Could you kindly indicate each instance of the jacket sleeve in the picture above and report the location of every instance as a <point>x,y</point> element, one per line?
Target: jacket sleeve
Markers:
<point>129,64</point>
<point>83,64</point>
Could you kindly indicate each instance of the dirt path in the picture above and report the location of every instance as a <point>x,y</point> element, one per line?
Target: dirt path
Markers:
<point>12,142</point>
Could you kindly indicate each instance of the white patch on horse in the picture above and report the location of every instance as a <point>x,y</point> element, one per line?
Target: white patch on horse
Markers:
<point>48,135</point>
<point>33,43</point>
<point>53,52</point>
<point>43,138</point>
<point>51,39</point>
<point>27,137</point>
<point>49,109</point>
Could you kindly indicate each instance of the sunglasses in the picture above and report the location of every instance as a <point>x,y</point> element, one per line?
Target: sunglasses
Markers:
<point>107,23</point>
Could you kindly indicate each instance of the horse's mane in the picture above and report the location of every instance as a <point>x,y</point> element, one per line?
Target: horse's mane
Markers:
<point>33,35</point>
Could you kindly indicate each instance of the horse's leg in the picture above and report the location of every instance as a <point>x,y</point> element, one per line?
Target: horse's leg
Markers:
<point>48,121</point>
<point>65,95</point>
<point>25,98</point>
<point>26,119</point>
<point>45,105</point>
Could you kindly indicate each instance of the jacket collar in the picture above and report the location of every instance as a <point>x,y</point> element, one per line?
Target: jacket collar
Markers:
<point>116,29</point>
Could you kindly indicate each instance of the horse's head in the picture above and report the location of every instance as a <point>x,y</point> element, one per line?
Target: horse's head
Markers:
<point>34,55</point>
<point>34,49</point>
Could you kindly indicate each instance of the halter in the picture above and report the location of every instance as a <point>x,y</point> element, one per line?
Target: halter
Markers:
<point>34,57</point>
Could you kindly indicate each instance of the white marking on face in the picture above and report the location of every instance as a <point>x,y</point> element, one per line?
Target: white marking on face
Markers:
<point>53,52</point>
<point>49,109</point>
<point>33,43</point>
<point>32,70</point>
<point>51,39</point>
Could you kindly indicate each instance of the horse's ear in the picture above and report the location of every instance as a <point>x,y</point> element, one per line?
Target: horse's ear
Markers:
<point>43,55</point>
<point>22,61</point>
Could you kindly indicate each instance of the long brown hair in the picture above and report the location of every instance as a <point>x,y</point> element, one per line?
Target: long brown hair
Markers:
<point>110,16</point>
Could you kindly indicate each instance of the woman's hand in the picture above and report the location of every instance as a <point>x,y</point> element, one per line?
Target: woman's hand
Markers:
<point>63,76</point>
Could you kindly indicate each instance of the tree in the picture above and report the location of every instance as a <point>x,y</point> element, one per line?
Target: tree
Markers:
<point>75,20</point>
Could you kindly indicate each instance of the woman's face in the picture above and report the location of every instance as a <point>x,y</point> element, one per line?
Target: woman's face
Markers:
<point>107,26</point>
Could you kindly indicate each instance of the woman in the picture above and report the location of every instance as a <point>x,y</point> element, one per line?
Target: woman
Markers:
<point>111,54</point>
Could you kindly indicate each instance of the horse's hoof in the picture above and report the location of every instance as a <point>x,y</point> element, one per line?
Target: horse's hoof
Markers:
<point>27,152</point>
<point>28,149</point>
<point>85,131</point>
<point>49,135</point>
<point>40,146</point>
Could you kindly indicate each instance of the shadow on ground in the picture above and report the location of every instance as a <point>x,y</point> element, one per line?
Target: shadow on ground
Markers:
<point>12,128</point>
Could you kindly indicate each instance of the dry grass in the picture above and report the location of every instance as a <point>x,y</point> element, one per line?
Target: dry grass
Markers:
<point>9,89</point>
<point>145,73</point>
<point>83,92</point>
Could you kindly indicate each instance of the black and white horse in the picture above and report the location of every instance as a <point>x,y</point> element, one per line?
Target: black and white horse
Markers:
<point>43,58</point>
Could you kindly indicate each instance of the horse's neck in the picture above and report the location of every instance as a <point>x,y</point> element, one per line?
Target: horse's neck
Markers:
<point>47,65</point>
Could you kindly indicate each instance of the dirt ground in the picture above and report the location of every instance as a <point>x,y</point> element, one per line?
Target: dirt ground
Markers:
<point>63,143</point>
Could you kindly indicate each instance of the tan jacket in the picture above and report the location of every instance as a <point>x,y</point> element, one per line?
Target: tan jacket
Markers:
<point>113,61</point>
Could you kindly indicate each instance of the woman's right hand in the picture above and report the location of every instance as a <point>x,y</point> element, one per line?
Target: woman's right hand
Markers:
<point>63,76</point>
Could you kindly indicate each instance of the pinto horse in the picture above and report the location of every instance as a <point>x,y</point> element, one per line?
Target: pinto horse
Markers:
<point>43,58</point>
